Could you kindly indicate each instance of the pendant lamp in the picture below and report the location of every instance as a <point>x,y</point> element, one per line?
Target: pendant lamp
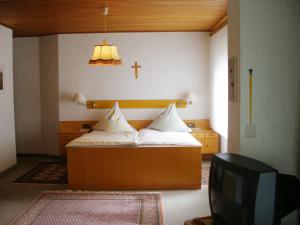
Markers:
<point>105,54</point>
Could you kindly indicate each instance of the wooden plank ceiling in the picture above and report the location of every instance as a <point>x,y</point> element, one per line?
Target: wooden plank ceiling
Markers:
<point>41,17</point>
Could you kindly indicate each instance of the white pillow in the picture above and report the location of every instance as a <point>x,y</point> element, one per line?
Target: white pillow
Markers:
<point>169,120</point>
<point>113,120</point>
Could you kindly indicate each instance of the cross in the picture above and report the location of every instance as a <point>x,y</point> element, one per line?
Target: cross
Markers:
<point>136,67</point>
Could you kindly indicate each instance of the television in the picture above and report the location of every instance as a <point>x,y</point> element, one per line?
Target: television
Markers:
<point>244,191</point>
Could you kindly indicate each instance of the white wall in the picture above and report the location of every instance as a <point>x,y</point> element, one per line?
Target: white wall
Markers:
<point>36,94</point>
<point>7,121</point>
<point>27,95</point>
<point>172,64</point>
<point>270,44</point>
<point>49,70</point>
<point>218,85</point>
<point>49,93</point>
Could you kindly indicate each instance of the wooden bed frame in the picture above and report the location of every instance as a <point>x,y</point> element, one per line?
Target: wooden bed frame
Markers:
<point>134,168</point>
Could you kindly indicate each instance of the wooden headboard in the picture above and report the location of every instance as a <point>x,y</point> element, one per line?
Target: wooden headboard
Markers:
<point>69,126</point>
<point>136,104</point>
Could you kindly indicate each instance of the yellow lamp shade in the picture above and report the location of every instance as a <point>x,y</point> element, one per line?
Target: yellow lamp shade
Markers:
<point>105,54</point>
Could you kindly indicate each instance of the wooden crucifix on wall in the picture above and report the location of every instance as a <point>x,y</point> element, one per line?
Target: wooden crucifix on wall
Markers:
<point>136,66</point>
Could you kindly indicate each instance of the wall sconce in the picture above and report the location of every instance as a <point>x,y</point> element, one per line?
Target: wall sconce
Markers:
<point>79,99</point>
<point>190,98</point>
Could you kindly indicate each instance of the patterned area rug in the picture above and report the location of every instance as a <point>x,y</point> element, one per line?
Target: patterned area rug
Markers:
<point>92,208</point>
<point>205,172</point>
<point>46,173</point>
<point>56,173</point>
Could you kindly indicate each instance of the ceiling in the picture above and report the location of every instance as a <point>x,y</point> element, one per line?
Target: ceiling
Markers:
<point>41,17</point>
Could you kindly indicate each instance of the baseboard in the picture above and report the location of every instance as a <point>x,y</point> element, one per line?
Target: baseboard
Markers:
<point>8,170</point>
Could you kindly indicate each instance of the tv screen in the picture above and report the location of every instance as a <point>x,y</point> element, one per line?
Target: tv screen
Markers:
<point>242,191</point>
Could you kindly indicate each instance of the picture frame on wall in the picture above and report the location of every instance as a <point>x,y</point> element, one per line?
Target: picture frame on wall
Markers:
<point>232,79</point>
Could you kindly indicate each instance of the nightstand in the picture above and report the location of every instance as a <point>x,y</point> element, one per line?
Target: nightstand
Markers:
<point>208,138</point>
<point>198,133</point>
<point>66,136</point>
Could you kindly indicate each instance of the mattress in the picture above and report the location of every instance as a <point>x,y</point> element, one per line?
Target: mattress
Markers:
<point>145,137</point>
<point>154,137</point>
<point>102,138</point>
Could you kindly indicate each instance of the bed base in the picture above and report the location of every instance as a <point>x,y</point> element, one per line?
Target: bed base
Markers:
<point>134,168</point>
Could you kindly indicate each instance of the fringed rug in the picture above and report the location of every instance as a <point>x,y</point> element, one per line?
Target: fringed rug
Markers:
<point>46,173</point>
<point>56,173</point>
<point>205,172</point>
<point>93,208</point>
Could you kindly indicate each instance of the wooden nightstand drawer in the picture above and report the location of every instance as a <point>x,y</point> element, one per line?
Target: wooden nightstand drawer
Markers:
<point>66,136</point>
<point>211,145</point>
<point>211,135</point>
<point>62,145</point>
<point>208,138</point>
<point>198,135</point>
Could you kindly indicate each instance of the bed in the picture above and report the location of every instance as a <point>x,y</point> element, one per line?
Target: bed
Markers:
<point>147,160</point>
